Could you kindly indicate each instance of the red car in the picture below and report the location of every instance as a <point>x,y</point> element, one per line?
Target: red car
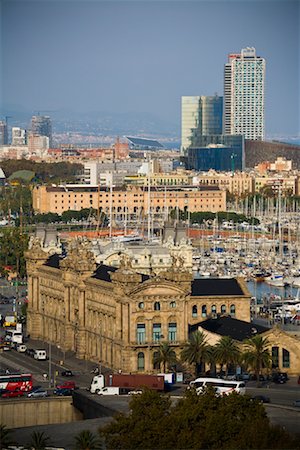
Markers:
<point>66,385</point>
<point>12,394</point>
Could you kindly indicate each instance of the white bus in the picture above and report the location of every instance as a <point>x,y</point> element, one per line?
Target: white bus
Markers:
<point>222,387</point>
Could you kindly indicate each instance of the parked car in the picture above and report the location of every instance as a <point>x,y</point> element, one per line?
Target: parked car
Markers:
<point>136,392</point>
<point>64,392</point>
<point>67,373</point>
<point>35,393</point>
<point>296,403</point>
<point>66,385</point>
<point>262,398</point>
<point>5,346</point>
<point>12,394</point>
<point>30,352</point>
<point>21,348</point>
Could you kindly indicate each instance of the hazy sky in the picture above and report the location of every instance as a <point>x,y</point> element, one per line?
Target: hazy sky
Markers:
<point>142,56</point>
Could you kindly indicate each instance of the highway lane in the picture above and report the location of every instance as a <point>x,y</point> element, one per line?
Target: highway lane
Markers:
<point>23,363</point>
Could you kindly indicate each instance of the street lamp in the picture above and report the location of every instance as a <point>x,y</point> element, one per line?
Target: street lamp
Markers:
<point>49,365</point>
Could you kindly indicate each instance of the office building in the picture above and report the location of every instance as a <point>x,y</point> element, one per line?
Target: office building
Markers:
<point>18,136</point>
<point>218,152</point>
<point>42,126</point>
<point>201,113</point>
<point>244,81</point>
<point>3,133</point>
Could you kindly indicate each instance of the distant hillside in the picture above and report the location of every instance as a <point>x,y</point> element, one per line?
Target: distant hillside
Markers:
<point>260,151</point>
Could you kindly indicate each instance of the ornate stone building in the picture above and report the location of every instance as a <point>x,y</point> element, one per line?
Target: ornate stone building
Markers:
<point>119,316</point>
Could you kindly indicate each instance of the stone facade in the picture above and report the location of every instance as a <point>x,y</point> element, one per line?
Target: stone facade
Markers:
<point>116,315</point>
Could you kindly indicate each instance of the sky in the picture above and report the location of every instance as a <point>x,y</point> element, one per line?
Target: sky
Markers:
<point>142,56</point>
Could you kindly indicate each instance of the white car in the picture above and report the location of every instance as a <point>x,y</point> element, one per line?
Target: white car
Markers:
<point>21,348</point>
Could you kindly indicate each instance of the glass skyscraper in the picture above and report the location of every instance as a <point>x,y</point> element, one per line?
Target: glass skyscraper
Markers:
<point>244,80</point>
<point>201,115</point>
<point>42,126</point>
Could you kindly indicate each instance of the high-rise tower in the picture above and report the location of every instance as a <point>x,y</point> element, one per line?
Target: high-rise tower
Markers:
<point>201,115</point>
<point>3,133</point>
<point>41,126</point>
<point>244,80</point>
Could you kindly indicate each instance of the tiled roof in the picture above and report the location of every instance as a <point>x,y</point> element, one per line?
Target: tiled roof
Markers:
<point>215,286</point>
<point>227,326</point>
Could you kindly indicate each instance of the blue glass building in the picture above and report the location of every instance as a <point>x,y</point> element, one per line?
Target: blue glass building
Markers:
<point>219,152</point>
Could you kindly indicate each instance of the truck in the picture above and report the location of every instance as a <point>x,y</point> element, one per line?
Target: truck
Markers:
<point>13,336</point>
<point>128,381</point>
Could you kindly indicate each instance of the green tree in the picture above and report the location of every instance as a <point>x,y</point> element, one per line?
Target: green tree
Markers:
<point>86,440</point>
<point>165,356</point>
<point>38,441</point>
<point>226,352</point>
<point>142,429</point>
<point>12,247</point>
<point>5,438</point>
<point>196,351</point>
<point>256,354</point>
<point>195,422</point>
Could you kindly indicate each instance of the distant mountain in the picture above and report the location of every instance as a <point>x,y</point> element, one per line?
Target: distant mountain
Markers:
<point>99,123</point>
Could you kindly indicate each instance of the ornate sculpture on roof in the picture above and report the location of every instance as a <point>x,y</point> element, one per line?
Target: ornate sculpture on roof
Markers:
<point>35,249</point>
<point>178,263</point>
<point>79,256</point>
<point>125,262</point>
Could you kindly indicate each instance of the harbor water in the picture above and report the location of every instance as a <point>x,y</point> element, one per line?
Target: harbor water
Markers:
<point>262,289</point>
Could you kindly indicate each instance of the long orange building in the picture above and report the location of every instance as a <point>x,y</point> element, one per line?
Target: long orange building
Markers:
<point>57,199</point>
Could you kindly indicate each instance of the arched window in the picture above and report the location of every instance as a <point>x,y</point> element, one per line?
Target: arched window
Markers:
<point>232,310</point>
<point>285,358</point>
<point>156,306</point>
<point>140,361</point>
<point>194,311</point>
<point>213,309</point>
<point>275,357</point>
<point>223,309</point>
<point>173,304</point>
<point>141,305</point>
<point>203,311</point>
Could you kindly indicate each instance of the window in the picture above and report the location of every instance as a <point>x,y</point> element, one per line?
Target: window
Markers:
<point>213,309</point>
<point>173,304</point>
<point>194,311</point>
<point>203,311</point>
<point>172,331</point>
<point>232,310</point>
<point>156,306</point>
<point>141,361</point>
<point>141,305</point>
<point>156,332</point>
<point>223,309</point>
<point>275,357</point>
<point>285,358</point>
<point>141,333</point>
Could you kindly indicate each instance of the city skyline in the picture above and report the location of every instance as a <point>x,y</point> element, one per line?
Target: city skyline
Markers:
<point>141,57</point>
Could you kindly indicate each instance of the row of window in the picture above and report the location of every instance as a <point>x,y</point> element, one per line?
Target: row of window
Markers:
<point>285,358</point>
<point>156,332</point>
<point>213,309</point>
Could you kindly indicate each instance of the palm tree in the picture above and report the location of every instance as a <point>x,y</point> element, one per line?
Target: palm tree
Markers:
<point>86,440</point>
<point>196,351</point>
<point>39,441</point>
<point>5,440</point>
<point>257,354</point>
<point>165,356</point>
<point>226,352</point>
